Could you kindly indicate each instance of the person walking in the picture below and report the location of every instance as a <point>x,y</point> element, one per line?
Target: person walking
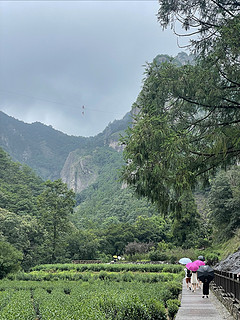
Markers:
<point>194,280</point>
<point>188,275</point>
<point>206,274</point>
<point>205,288</point>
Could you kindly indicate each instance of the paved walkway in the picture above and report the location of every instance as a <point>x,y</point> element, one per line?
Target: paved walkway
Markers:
<point>194,307</point>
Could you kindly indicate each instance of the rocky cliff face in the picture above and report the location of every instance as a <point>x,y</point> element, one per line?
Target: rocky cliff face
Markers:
<point>115,145</point>
<point>230,264</point>
<point>81,168</point>
<point>79,171</point>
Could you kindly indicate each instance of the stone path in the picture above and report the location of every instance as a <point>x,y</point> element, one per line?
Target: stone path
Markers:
<point>194,307</point>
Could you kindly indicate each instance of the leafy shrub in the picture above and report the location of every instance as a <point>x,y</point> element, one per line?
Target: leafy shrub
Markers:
<point>96,299</point>
<point>172,259</point>
<point>10,259</point>
<point>157,256</point>
<point>103,275</point>
<point>173,306</point>
<point>175,288</point>
<point>172,291</point>
<point>156,310</point>
<point>128,277</point>
<point>172,268</point>
<point>212,258</point>
<point>135,309</point>
<point>20,308</point>
<point>137,257</point>
<point>51,268</point>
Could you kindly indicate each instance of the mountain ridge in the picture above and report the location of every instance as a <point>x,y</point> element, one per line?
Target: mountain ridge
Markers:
<point>45,149</point>
<point>53,154</point>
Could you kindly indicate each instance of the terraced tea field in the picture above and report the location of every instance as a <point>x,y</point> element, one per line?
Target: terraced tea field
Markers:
<point>101,292</point>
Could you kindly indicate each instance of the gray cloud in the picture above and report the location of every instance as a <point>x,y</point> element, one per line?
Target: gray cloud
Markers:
<point>57,56</point>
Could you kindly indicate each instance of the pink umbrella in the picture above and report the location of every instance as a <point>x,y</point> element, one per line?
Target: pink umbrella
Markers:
<point>199,263</point>
<point>192,266</point>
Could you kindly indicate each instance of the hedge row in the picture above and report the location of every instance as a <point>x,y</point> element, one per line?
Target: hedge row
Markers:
<point>73,275</point>
<point>110,267</point>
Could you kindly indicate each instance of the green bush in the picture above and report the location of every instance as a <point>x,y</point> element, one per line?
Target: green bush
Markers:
<point>172,259</point>
<point>156,310</point>
<point>172,291</point>
<point>135,309</point>
<point>173,306</point>
<point>173,268</point>
<point>95,299</point>
<point>212,258</point>
<point>157,256</point>
<point>147,267</point>
<point>10,259</point>
<point>137,257</point>
<point>103,275</point>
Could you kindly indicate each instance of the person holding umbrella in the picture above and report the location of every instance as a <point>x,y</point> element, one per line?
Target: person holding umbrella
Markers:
<point>193,267</point>
<point>205,274</point>
<point>188,278</point>
<point>199,263</point>
<point>188,272</point>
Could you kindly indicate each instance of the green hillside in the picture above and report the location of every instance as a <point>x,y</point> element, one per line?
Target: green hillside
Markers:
<point>19,186</point>
<point>41,147</point>
<point>108,200</point>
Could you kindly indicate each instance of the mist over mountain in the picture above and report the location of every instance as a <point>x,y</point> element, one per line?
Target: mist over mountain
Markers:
<point>90,166</point>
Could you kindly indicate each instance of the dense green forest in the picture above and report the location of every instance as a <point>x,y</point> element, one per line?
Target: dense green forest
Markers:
<point>187,129</point>
<point>44,222</point>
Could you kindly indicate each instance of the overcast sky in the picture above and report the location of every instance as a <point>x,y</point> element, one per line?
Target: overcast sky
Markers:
<point>57,56</point>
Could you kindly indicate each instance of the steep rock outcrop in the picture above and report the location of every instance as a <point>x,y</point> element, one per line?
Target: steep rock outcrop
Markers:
<point>230,264</point>
<point>116,145</point>
<point>79,171</point>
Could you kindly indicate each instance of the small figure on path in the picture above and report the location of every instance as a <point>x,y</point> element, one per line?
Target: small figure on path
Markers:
<point>205,288</point>
<point>206,275</point>
<point>194,280</point>
<point>188,275</point>
<point>193,267</point>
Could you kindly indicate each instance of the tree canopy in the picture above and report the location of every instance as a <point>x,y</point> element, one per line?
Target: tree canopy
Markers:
<point>187,122</point>
<point>10,259</point>
<point>224,202</point>
<point>205,18</point>
<point>56,203</point>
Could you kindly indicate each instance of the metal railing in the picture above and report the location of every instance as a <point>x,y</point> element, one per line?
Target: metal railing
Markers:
<point>229,281</point>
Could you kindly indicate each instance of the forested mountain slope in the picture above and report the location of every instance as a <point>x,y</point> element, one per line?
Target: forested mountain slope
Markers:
<point>45,149</point>
<point>107,200</point>
<point>41,147</point>
<point>91,168</point>
<point>19,186</point>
